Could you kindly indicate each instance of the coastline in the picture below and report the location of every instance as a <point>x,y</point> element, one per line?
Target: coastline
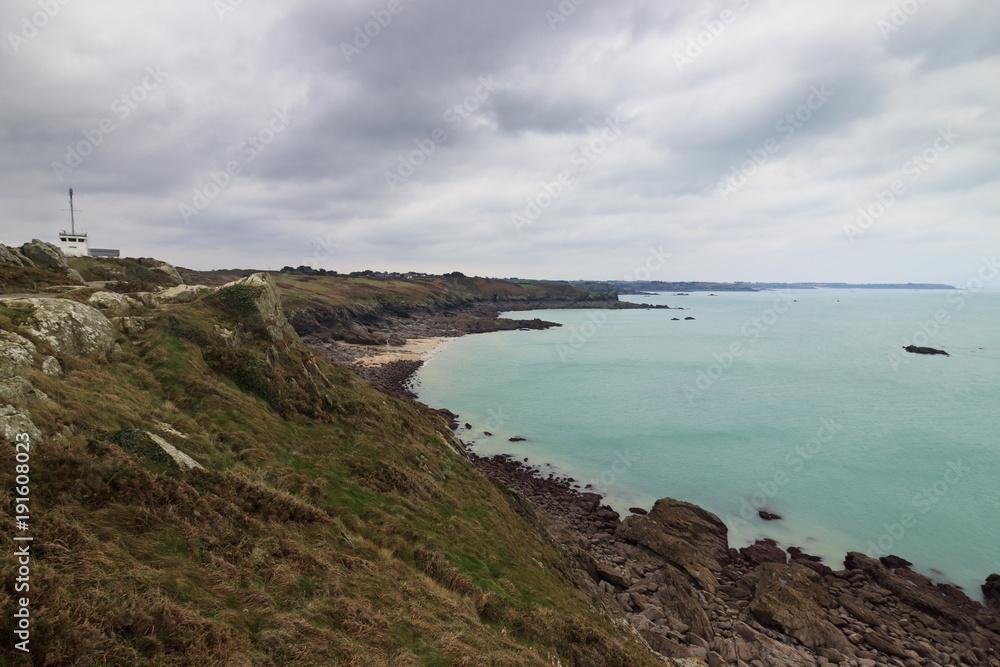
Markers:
<point>875,611</point>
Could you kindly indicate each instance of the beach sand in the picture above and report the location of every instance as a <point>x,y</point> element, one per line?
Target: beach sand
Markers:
<point>415,349</point>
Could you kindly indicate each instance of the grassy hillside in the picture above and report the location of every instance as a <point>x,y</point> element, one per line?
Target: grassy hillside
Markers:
<point>332,524</point>
<point>325,291</point>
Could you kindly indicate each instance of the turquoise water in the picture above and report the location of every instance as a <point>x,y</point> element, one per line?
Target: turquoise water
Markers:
<point>802,403</point>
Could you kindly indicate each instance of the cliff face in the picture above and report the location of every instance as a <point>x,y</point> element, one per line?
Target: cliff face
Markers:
<point>206,490</point>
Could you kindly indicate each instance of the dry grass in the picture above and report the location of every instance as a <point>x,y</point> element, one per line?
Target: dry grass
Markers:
<point>333,525</point>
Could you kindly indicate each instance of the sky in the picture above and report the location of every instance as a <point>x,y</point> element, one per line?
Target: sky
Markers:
<point>728,140</point>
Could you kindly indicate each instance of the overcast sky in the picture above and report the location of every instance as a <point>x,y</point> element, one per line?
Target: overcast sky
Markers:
<point>725,140</point>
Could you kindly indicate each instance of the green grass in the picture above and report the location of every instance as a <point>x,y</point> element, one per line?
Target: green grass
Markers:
<point>339,517</point>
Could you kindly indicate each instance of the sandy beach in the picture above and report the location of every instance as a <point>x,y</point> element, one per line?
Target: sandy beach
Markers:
<point>415,349</point>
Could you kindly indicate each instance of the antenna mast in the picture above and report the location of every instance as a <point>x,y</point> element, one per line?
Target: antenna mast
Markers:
<point>72,220</point>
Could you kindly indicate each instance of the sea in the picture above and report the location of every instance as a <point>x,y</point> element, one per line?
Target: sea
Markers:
<point>801,403</point>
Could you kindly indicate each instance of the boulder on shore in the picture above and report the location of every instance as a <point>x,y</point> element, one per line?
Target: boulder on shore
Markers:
<point>689,537</point>
<point>991,591</point>
<point>790,598</point>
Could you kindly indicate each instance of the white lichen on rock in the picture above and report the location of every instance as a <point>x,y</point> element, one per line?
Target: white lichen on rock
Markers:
<point>71,328</point>
<point>114,304</point>
<point>16,354</point>
<point>14,421</point>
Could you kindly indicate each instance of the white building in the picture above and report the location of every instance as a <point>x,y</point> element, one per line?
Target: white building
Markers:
<point>74,245</point>
<point>77,245</point>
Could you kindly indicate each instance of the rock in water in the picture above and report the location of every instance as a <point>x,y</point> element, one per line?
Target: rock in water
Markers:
<point>768,516</point>
<point>44,254</point>
<point>913,349</point>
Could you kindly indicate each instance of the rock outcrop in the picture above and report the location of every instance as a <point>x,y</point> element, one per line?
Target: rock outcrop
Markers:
<point>44,254</point>
<point>760,613</point>
<point>113,304</point>
<point>178,294</point>
<point>14,421</point>
<point>16,354</point>
<point>14,256</point>
<point>169,271</point>
<point>260,305</point>
<point>791,599</point>
<point>71,328</point>
<point>689,537</point>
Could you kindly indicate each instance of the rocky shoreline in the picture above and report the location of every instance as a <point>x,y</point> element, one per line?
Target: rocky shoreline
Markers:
<point>672,575</point>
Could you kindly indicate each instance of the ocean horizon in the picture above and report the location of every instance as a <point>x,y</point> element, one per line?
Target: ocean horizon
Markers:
<point>802,403</point>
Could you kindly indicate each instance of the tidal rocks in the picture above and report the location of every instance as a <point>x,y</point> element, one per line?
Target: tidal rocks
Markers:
<point>764,551</point>
<point>894,562</point>
<point>638,510</point>
<point>913,349</point>
<point>689,318</point>
<point>768,516</point>
<point>518,438</point>
<point>991,590</point>
<point>687,536</point>
<point>790,598</point>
